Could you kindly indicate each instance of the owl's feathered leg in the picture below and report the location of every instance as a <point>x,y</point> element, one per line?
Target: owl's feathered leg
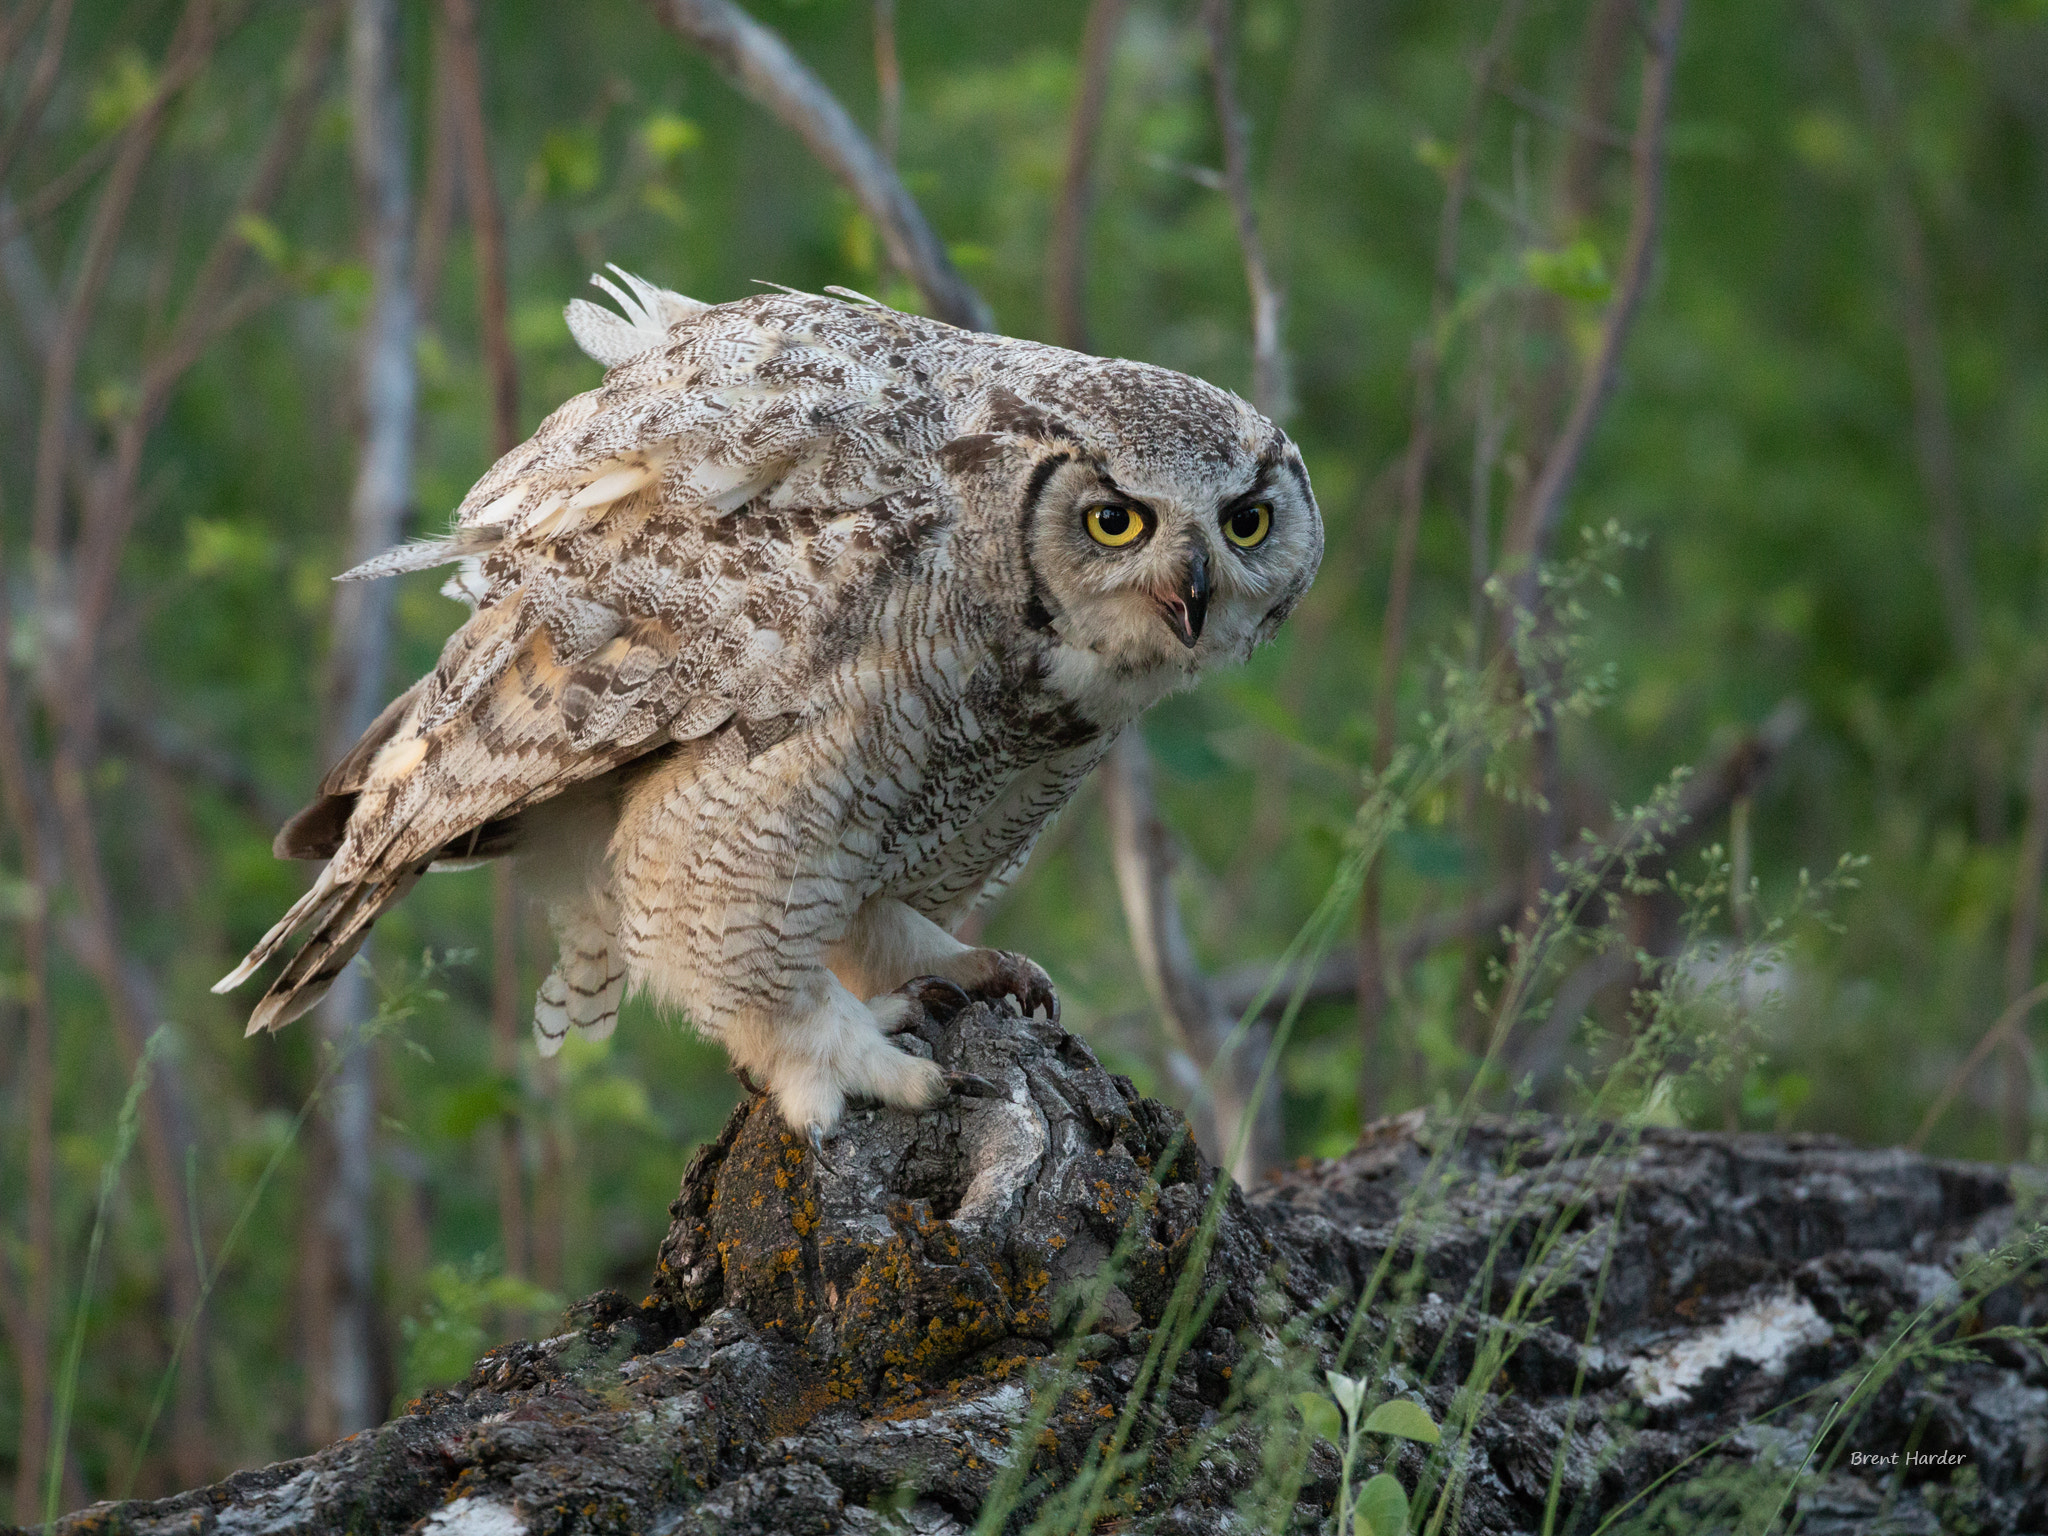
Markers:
<point>889,943</point>
<point>827,1046</point>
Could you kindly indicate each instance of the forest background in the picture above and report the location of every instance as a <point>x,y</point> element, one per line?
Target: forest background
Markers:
<point>1761,288</point>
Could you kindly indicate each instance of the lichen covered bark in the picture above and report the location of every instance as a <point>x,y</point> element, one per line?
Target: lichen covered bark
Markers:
<point>852,1346</point>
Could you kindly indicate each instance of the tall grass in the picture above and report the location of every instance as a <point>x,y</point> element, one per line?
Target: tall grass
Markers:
<point>1345,1373</point>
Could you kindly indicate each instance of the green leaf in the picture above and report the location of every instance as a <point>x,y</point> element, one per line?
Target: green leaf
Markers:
<point>124,90</point>
<point>1405,1419</point>
<point>569,163</point>
<point>264,238</point>
<point>1576,272</point>
<point>1320,1415</point>
<point>1382,1507</point>
<point>1348,1390</point>
<point>667,135</point>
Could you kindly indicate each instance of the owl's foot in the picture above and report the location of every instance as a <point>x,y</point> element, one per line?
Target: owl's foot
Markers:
<point>938,996</point>
<point>754,1089</point>
<point>814,1062</point>
<point>992,974</point>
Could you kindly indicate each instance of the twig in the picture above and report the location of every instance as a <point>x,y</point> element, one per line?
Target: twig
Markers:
<point>40,83</point>
<point>760,64</point>
<point>1737,772</point>
<point>1934,446</point>
<point>486,221</point>
<point>38,1087</point>
<point>1537,523</point>
<point>190,46</point>
<point>1066,252</point>
<point>1584,129</point>
<point>361,627</point>
<point>888,81</point>
<point>16,28</point>
<point>2007,1029</point>
<point>487,229</point>
<point>2025,938</point>
<point>1146,856</point>
<point>1271,389</point>
<point>155,740</point>
<point>1429,352</point>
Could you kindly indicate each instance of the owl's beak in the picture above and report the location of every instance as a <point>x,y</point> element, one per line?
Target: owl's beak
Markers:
<point>1185,608</point>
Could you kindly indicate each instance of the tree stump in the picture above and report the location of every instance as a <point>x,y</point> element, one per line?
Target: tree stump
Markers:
<point>851,1346</point>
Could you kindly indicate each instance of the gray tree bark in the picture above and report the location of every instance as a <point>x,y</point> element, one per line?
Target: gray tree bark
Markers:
<point>347,1367</point>
<point>853,1347</point>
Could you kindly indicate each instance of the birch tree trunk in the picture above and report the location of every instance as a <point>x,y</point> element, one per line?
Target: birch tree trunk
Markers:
<point>361,646</point>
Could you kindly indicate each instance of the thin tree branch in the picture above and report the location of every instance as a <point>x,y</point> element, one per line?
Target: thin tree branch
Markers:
<point>361,628</point>
<point>38,1087</point>
<point>1145,855</point>
<point>1067,252</point>
<point>17,28</point>
<point>2024,941</point>
<point>760,64</point>
<point>1428,363</point>
<point>190,46</point>
<point>40,83</point>
<point>487,230</point>
<point>888,82</point>
<point>1271,387</point>
<point>1537,523</point>
<point>151,739</point>
<point>1934,443</point>
<point>486,221</point>
<point>1705,796</point>
<point>2006,1030</point>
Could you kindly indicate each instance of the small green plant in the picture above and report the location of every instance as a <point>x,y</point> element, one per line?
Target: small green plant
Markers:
<point>1381,1507</point>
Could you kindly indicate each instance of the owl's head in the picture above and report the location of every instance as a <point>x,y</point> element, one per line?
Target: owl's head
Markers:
<point>1164,523</point>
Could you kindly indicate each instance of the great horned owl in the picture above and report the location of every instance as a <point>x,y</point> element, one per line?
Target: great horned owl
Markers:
<point>787,642</point>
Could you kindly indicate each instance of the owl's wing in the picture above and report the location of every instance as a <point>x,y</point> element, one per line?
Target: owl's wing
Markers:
<point>671,550</point>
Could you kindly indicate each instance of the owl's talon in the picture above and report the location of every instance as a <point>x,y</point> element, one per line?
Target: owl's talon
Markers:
<point>941,999</point>
<point>753,1088</point>
<point>967,1085</point>
<point>816,1136</point>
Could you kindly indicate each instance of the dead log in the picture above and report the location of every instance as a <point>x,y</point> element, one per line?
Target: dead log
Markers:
<point>851,1347</point>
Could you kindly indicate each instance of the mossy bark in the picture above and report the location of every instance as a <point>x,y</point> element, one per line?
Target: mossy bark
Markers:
<point>852,1345</point>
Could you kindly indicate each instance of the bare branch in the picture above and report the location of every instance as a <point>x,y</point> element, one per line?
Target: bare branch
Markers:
<point>464,76</point>
<point>153,740</point>
<point>888,81</point>
<point>190,46</point>
<point>486,221</point>
<point>1146,856</point>
<point>1066,257</point>
<point>1934,436</point>
<point>761,66</point>
<point>2024,941</point>
<point>2008,1029</point>
<point>1428,364</point>
<point>1271,388</point>
<point>1537,523</point>
<point>361,628</point>
<point>40,83</point>
<point>1705,796</point>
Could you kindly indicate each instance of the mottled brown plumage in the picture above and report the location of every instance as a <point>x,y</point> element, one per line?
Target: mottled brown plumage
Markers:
<point>787,642</point>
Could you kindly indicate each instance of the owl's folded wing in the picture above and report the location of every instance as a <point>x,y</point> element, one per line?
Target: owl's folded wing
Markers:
<point>664,552</point>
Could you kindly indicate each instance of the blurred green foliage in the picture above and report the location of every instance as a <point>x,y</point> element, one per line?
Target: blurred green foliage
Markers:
<point>1763,444</point>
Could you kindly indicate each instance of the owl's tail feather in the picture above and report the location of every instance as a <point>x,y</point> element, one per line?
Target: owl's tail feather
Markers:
<point>340,916</point>
<point>584,989</point>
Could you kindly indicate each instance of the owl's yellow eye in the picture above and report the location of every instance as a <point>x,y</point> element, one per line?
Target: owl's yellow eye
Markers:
<point>1248,526</point>
<point>1113,525</point>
